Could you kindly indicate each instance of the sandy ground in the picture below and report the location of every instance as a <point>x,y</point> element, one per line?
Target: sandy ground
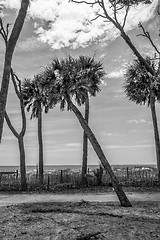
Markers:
<point>12,199</point>
<point>80,220</point>
<point>67,217</point>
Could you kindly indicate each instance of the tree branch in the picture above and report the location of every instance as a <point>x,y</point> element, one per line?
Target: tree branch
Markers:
<point>10,47</point>
<point>10,125</point>
<point>23,130</point>
<point>19,84</point>
<point>147,35</point>
<point>15,84</point>
<point>19,95</point>
<point>98,15</point>
<point>120,27</point>
<point>3,32</point>
<point>125,17</point>
<point>89,3</point>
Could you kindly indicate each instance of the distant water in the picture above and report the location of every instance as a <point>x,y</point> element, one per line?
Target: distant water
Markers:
<point>72,167</point>
<point>47,167</point>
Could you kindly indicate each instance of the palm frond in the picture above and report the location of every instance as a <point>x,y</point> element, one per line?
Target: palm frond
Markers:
<point>72,77</point>
<point>139,82</point>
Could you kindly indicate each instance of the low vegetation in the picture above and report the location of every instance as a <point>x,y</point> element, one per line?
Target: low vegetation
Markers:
<point>69,180</point>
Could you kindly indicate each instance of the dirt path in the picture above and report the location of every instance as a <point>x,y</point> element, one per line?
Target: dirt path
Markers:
<point>12,199</point>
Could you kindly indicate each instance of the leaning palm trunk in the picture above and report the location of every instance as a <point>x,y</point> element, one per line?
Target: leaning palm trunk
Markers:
<point>118,189</point>
<point>40,141</point>
<point>85,143</point>
<point>156,132</point>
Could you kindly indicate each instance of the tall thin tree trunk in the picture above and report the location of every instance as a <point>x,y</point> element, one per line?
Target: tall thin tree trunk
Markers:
<point>22,163</point>
<point>134,49</point>
<point>118,189</point>
<point>40,141</point>
<point>19,136</point>
<point>21,151</point>
<point>85,143</point>
<point>156,132</point>
<point>10,46</point>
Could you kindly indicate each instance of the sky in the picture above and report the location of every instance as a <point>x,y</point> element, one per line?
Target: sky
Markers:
<point>55,29</point>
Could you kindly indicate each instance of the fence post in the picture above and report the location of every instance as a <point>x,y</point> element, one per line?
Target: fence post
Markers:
<point>127,176</point>
<point>146,177</point>
<point>127,171</point>
<point>28,177</point>
<point>37,173</point>
<point>48,182</point>
<point>61,177</point>
<point>16,173</point>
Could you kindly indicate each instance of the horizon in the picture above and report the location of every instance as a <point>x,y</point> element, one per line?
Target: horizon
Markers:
<point>48,165</point>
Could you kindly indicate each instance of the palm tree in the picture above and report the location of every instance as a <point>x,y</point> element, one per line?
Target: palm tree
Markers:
<point>143,88</point>
<point>68,86</point>
<point>35,100</point>
<point>91,71</point>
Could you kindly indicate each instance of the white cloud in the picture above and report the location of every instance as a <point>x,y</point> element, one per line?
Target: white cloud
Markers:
<point>8,138</point>
<point>102,56</point>
<point>119,93</point>
<point>13,4</point>
<point>64,147</point>
<point>109,134</point>
<point>73,145</point>
<point>103,83</point>
<point>116,74</point>
<point>68,24</point>
<point>119,96</point>
<point>129,146</point>
<point>29,44</point>
<point>138,121</point>
<point>57,131</point>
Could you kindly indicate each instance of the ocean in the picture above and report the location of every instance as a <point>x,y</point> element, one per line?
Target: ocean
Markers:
<point>46,167</point>
<point>71,167</point>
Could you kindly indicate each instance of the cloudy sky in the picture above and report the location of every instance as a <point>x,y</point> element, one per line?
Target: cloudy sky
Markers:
<point>58,28</point>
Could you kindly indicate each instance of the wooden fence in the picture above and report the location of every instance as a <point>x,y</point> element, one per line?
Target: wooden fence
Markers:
<point>136,177</point>
<point>8,176</point>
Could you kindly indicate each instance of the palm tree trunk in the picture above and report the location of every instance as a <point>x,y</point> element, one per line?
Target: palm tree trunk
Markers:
<point>10,46</point>
<point>85,143</point>
<point>22,163</point>
<point>40,141</point>
<point>118,189</point>
<point>156,132</point>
